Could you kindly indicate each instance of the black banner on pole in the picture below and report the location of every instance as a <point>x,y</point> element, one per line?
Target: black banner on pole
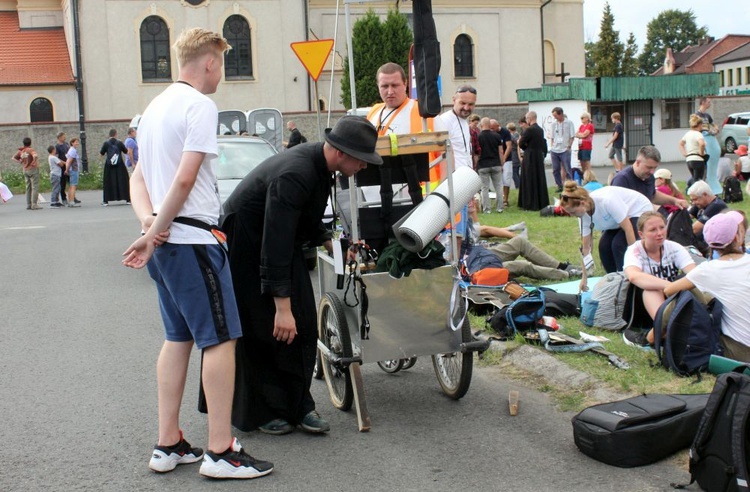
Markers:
<point>426,59</point>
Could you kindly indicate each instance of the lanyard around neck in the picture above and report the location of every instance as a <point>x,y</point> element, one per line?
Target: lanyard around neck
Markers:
<point>466,147</point>
<point>382,128</point>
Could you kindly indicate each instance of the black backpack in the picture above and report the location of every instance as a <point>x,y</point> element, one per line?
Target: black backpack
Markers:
<point>680,230</point>
<point>719,453</point>
<point>732,190</point>
<point>692,329</point>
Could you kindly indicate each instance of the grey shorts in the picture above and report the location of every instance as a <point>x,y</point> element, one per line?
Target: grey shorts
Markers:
<point>615,152</point>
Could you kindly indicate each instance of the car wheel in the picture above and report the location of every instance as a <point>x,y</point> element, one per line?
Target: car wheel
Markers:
<point>730,145</point>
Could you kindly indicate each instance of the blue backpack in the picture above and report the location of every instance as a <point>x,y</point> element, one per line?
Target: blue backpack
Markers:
<point>523,314</point>
<point>692,329</point>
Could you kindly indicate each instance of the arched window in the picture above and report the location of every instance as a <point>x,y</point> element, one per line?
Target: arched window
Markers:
<point>463,56</point>
<point>156,64</point>
<point>41,110</point>
<point>238,62</point>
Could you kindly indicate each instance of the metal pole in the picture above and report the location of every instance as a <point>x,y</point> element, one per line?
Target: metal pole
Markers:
<point>317,112</point>
<point>79,86</point>
<point>352,185</point>
<point>333,62</point>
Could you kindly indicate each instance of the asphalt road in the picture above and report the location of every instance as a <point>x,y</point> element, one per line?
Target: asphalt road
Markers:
<point>79,337</point>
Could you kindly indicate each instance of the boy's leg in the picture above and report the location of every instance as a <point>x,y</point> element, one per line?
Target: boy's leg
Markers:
<point>218,385</point>
<point>35,188</point>
<point>27,183</point>
<point>55,181</point>
<point>171,371</point>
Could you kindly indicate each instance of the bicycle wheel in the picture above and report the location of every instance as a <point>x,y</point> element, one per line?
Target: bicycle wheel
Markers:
<point>454,370</point>
<point>391,366</point>
<point>334,333</point>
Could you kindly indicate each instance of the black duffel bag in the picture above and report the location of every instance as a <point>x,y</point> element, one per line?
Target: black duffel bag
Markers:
<point>638,430</point>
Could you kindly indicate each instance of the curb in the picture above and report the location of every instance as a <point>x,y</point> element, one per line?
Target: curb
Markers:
<point>537,361</point>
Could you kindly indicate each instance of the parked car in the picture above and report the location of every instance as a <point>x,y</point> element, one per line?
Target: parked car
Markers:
<point>238,155</point>
<point>734,131</point>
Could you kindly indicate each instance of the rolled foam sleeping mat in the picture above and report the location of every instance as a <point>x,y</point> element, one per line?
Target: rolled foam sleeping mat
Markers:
<point>719,365</point>
<point>428,218</point>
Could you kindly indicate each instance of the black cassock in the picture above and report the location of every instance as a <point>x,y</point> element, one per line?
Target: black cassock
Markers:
<point>275,210</point>
<point>533,194</point>
<point>116,181</point>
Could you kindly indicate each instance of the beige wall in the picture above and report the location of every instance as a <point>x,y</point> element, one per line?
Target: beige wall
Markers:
<point>15,102</point>
<point>112,75</point>
<point>506,36</point>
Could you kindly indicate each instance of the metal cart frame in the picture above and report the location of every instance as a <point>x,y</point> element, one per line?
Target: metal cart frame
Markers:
<point>422,314</point>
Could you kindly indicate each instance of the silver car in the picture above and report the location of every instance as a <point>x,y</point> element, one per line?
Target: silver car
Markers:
<point>734,131</point>
<point>238,155</point>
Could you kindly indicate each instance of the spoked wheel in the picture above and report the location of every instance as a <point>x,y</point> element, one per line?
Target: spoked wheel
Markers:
<point>454,370</point>
<point>391,366</point>
<point>334,333</point>
<point>408,363</point>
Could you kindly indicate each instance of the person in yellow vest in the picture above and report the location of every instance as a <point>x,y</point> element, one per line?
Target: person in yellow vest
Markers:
<point>397,114</point>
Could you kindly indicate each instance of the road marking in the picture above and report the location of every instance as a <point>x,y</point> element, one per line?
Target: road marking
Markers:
<point>20,228</point>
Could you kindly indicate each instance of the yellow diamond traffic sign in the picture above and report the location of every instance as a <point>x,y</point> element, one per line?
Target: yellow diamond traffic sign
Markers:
<point>313,55</point>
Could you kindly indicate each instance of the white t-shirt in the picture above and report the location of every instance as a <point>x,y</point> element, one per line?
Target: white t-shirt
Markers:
<point>674,257</point>
<point>178,120</point>
<point>396,121</point>
<point>460,135</point>
<point>745,164</point>
<point>692,145</point>
<point>54,166</point>
<point>612,205</point>
<point>729,282</point>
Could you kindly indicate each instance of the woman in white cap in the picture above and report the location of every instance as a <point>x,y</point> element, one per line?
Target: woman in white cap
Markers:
<point>727,279</point>
<point>665,185</point>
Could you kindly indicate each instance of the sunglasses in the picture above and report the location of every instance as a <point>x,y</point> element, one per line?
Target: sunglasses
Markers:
<point>466,88</point>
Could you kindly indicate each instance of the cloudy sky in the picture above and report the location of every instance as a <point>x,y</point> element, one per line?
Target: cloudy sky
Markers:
<point>720,16</point>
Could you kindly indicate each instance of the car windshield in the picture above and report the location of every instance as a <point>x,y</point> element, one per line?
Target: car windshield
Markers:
<point>239,157</point>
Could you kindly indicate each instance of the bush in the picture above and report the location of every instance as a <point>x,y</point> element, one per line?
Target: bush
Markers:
<point>91,180</point>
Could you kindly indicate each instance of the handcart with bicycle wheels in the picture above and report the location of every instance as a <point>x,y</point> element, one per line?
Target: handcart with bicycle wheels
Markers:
<point>374,317</point>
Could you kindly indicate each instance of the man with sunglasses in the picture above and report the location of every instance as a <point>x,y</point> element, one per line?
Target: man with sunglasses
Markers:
<point>455,122</point>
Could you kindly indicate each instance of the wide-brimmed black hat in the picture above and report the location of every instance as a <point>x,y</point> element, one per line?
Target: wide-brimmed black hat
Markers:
<point>355,136</point>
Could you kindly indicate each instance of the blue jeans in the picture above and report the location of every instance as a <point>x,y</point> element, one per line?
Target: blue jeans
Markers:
<point>561,159</point>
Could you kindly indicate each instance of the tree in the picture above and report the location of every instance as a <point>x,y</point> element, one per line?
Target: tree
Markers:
<point>629,64</point>
<point>589,48</point>
<point>373,44</point>
<point>608,52</point>
<point>672,28</point>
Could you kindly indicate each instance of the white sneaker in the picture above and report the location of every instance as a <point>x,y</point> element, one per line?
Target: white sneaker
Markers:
<point>166,458</point>
<point>234,463</point>
<point>517,227</point>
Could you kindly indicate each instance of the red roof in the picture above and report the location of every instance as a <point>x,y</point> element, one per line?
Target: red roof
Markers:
<point>32,56</point>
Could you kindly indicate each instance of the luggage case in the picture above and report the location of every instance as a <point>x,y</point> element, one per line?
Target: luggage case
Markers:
<point>638,430</point>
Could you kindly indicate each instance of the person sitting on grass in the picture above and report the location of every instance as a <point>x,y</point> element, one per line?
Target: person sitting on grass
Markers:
<point>589,182</point>
<point>651,264</point>
<point>665,185</point>
<point>727,279</point>
<point>705,205</point>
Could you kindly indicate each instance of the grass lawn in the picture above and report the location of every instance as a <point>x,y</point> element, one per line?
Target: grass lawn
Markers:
<point>559,236</point>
